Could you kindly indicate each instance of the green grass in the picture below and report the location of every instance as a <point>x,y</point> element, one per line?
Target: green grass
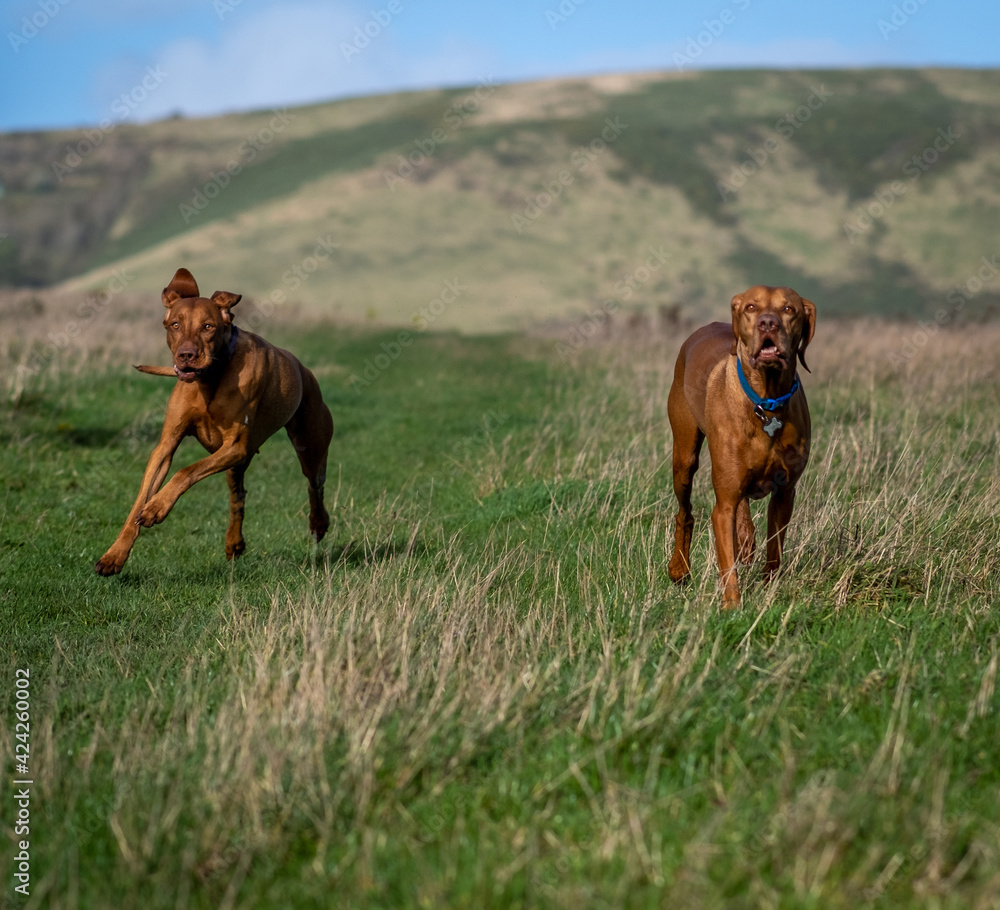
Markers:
<point>482,690</point>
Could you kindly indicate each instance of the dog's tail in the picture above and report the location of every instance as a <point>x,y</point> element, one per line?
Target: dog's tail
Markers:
<point>156,371</point>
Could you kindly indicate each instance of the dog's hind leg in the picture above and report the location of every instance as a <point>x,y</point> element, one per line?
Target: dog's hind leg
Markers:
<point>310,430</point>
<point>235,545</point>
<point>746,541</point>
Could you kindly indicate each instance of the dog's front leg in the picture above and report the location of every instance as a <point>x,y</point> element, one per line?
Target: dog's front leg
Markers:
<point>111,563</point>
<point>779,515</point>
<point>724,528</point>
<point>230,454</point>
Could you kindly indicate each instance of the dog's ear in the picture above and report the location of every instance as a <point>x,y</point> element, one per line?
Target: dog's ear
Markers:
<point>225,301</point>
<point>182,285</point>
<point>735,305</point>
<point>809,329</point>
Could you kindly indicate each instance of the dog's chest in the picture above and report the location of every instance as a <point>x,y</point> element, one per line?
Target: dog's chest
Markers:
<point>780,461</point>
<point>208,433</point>
<point>216,424</point>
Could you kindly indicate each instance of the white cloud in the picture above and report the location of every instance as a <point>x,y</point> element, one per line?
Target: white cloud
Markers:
<point>290,54</point>
<point>293,53</point>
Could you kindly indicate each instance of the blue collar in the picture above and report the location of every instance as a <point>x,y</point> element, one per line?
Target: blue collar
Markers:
<point>765,404</point>
<point>221,360</point>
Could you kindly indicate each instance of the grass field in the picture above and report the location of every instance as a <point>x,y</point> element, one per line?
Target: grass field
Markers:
<point>482,690</point>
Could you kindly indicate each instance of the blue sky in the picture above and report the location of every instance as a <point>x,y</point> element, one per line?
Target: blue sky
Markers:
<point>70,63</point>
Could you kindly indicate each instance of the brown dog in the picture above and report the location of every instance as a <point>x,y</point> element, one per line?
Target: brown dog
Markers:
<point>234,391</point>
<point>757,425</point>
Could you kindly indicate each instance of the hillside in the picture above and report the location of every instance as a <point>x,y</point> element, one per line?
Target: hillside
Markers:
<point>493,207</point>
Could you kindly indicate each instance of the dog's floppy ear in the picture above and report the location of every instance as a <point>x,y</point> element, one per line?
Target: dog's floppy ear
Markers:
<point>735,305</point>
<point>808,330</point>
<point>182,285</point>
<point>224,301</point>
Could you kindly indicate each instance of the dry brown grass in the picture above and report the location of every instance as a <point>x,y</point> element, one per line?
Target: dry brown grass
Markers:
<point>904,450</point>
<point>543,714</point>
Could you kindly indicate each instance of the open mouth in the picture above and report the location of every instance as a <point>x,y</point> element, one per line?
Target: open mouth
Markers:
<point>186,375</point>
<point>769,353</point>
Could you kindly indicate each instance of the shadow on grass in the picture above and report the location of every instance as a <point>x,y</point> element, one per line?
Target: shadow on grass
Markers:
<point>362,553</point>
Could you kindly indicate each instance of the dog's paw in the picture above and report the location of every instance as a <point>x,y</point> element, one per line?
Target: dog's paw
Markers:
<point>319,524</point>
<point>731,599</point>
<point>235,550</point>
<point>679,570</point>
<point>110,564</point>
<point>153,513</point>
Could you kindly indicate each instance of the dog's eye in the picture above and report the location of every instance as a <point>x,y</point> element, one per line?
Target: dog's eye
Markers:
<point>751,307</point>
<point>208,326</point>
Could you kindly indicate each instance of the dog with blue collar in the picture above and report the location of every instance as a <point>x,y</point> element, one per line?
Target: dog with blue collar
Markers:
<point>736,385</point>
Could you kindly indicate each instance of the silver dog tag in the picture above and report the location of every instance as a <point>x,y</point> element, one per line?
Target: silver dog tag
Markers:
<point>773,426</point>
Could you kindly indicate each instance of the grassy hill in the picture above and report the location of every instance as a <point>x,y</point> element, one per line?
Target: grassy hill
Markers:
<point>868,191</point>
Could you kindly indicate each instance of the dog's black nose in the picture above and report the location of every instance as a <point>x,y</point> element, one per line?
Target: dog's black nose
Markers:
<point>768,322</point>
<point>186,354</point>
